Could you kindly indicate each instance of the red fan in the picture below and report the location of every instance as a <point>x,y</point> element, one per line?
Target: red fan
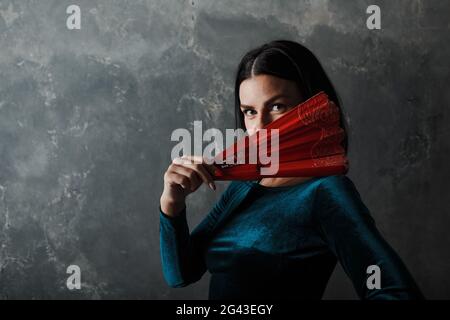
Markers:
<point>309,143</point>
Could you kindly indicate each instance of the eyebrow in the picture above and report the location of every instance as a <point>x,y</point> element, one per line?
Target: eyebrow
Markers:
<point>275,97</point>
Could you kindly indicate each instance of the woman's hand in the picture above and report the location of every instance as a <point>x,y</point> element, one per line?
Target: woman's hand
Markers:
<point>183,177</point>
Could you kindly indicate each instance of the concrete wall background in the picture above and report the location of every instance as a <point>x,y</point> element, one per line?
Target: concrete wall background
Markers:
<point>86,118</point>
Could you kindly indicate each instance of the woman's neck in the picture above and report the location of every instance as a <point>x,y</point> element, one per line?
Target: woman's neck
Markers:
<point>285,181</point>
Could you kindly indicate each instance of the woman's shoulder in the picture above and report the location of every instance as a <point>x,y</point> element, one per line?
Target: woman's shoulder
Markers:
<point>338,181</point>
<point>338,194</point>
<point>337,188</point>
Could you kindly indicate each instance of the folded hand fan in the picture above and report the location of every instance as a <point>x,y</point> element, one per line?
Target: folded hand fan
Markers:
<point>309,144</point>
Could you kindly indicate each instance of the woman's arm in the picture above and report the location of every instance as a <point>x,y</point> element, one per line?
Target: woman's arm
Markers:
<point>182,254</point>
<point>347,226</point>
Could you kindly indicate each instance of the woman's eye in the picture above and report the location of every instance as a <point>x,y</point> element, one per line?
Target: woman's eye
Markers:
<point>246,112</point>
<point>278,107</point>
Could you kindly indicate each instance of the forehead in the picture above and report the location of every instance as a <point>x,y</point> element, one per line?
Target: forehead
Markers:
<point>262,87</point>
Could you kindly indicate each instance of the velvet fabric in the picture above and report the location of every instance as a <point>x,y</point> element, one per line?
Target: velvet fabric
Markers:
<point>283,243</point>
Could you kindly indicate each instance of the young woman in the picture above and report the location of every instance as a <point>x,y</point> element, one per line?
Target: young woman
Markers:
<point>277,237</point>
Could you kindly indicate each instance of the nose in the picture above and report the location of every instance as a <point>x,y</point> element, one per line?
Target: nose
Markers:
<point>263,120</point>
<point>260,122</point>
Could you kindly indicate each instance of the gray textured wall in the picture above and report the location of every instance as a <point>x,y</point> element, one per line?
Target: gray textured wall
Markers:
<point>86,117</point>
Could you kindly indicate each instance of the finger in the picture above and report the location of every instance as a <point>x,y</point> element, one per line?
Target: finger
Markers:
<point>190,174</point>
<point>193,159</point>
<point>180,179</point>
<point>187,161</point>
<point>204,174</point>
<point>207,163</point>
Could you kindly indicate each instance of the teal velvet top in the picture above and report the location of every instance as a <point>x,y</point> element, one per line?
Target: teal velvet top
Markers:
<point>283,243</point>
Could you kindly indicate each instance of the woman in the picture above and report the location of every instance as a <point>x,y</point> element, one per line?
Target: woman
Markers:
<point>276,237</point>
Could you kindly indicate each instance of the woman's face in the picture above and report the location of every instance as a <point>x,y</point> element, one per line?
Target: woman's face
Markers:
<point>265,98</point>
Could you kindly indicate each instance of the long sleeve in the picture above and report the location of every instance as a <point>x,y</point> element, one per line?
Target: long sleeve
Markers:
<point>182,253</point>
<point>350,232</point>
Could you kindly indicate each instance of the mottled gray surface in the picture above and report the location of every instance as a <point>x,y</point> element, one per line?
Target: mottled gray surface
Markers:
<point>86,118</point>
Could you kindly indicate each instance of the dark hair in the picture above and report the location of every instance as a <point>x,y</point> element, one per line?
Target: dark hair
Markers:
<point>291,61</point>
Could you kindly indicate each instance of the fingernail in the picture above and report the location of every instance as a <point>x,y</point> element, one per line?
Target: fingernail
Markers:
<point>212,186</point>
